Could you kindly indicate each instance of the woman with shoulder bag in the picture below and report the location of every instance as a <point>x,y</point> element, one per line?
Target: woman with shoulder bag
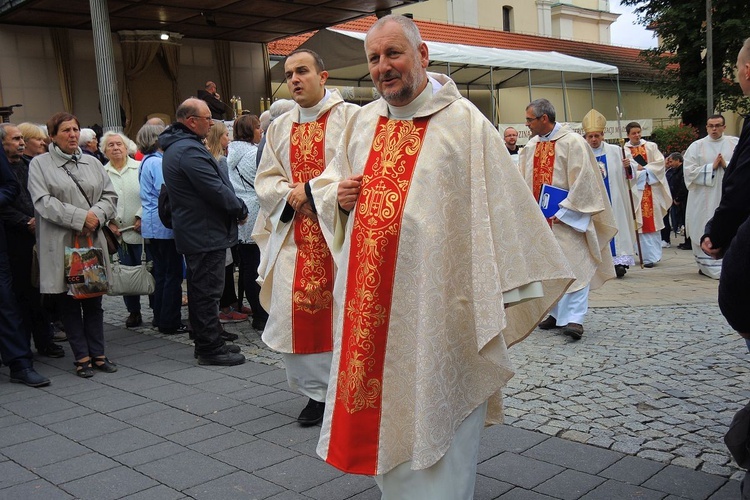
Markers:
<point>72,197</point>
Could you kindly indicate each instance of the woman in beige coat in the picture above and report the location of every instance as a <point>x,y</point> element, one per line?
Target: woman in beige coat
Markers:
<point>63,212</point>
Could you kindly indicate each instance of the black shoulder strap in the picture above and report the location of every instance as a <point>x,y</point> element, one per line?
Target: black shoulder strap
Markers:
<point>70,174</point>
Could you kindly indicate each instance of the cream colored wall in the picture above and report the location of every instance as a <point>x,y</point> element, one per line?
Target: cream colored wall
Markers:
<point>431,10</point>
<point>29,74</point>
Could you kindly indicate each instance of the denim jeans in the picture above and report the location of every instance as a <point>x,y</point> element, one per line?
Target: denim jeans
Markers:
<point>205,275</point>
<point>168,275</point>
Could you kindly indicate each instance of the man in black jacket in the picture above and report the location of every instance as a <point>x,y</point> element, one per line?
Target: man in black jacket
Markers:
<point>213,101</point>
<point>205,213</point>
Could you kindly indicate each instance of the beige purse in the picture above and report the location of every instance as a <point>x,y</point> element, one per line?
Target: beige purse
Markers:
<point>131,280</point>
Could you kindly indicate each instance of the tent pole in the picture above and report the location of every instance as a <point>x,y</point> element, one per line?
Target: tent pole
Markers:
<point>528,71</point>
<point>492,99</point>
<point>619,103</point>
<point>592,90</point>
<point>565,95</point>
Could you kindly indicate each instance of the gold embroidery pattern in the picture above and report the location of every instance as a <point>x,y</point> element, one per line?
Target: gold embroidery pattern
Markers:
<point>307,156</point>
<point>315,294</point>
<point>372,261</point>
<point>313,287</point>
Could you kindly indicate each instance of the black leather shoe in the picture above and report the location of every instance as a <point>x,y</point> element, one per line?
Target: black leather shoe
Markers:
<point>620,270</point>
<point>312,414</point>
<point>30,377</point>
<point>548,323</point>
<point>259,324</point>
<point>222,358</point>
<point>174,331</point>
<point>230,348</point>
<point>134,320</point>
<point>226,336</point>
<point>51,351</point>
<point>102,363</point>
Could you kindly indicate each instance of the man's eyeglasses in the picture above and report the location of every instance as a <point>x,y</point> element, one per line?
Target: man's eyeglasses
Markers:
<point>711,125</point>
<point>199,116</point>
<point>529,120</point>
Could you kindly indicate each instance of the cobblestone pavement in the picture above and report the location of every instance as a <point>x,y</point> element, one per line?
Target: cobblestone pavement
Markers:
<point>636,409</point>
<point>659,373</point>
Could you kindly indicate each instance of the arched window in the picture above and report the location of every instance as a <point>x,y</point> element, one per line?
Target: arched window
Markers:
<point>507,18</point>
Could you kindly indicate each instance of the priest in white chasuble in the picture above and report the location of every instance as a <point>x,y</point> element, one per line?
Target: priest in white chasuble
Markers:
<point>444,261</point>
<point>582,223</point>
<point>705,165</point>
<point>621,191</point>
<point>296,268</point>
<point>654,197</point>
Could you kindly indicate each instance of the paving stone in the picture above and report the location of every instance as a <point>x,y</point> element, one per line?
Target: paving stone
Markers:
<point>168,392</point>
<point>299,473</point>
<point>612,489</point>
<point>113,483</point>
<point>185,470</point>
<point>138,382</point>
<point>487,488</point>
<point>219,443</point>
<point>169,421</point>
<point>115,402</point>
<point>40,405</point>
<point>730,491</point>
<point>35,489</point>
<point>150,453</point>
<point>499,438</point>
<point>341,487</point>
<point>291,434</point>
<point>11,474</point>
<point>632,470</point>
<point>240,485</point>
<point>204,403</point>
<point>197,434</point>
<point>255,455</point>
<point>573,455</point>
<point>521,494</point>
<point>238,414</point>
<point>684,482</point>
<point>87,426</point>
<point>262,424</point>
<point>139,410</point>
<point>159,492</point>
<point>60,416</point>
<point>123,441</point>
<point>76,468</point>
<point>569,485</point>
<point>44,451</point>
<point>518,470</point>
<point>21,432</point>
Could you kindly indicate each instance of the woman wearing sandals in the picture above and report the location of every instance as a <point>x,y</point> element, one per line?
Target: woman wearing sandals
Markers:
<point>73,196</point>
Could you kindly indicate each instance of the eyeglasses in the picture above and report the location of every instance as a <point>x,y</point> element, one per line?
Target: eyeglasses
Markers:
<point>711,125</point>
<point>199,116</point>
<point>529,120</point>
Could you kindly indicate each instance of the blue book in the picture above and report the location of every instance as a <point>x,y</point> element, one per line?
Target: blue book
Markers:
<point>550,198</point>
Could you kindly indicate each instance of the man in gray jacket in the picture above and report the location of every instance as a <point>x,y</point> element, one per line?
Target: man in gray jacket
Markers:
<point>205,214</point>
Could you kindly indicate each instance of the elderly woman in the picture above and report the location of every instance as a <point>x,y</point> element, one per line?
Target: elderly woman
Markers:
<point>72,197</point>
<point>242,168</point>
<point>217,142</point>
<point>167,262</point>
<point>126,225</point>
<point>89,144</point>
<point>34,138</point>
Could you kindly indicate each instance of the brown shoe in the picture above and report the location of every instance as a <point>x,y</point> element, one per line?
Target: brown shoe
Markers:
<point>134,320</point>
<point>574,330</point>
<point>548,323</point>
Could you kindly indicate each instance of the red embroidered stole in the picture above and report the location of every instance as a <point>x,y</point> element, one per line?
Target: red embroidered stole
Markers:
<point>355,427</point>
<point>647,200</point>
<point>312,286</point>
<point>544,165</point>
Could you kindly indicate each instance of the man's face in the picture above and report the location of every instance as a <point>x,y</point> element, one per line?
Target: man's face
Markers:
<point>211,88</point>
<point>743,72</point>
<point>200,122</point>
<point>13,144</point>
<point>511,137</point>
<point>538,125</point>
<point>715,127</point>
<point>634,136</point>
<point>305,83</point>
<point>397,69</point>
<point>594,139</point>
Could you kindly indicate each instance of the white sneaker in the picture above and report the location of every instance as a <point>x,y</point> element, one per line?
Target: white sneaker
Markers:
<point>664,244</point>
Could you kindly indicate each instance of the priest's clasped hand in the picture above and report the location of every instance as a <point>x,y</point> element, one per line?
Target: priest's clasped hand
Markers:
<point>348,192</point>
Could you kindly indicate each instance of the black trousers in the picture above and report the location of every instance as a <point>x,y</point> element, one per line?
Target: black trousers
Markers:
<point>205,277</point>
<point>168,276</point>
<point>734,294</point>
<point>15,349</point>
<point>249,262</point>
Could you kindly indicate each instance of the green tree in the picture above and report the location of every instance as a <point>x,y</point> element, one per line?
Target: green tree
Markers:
<point>680,61</point>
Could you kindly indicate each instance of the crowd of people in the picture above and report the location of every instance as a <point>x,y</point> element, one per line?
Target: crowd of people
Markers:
<point>390,262</point>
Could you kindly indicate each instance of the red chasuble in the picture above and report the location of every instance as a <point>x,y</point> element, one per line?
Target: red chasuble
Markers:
<point>387,176</point>
<point>544,166</point>
<point>647,201</point>
<point>312,286</point>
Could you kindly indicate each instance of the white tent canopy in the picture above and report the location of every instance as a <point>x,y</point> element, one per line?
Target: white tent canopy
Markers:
<point>468,65</point>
